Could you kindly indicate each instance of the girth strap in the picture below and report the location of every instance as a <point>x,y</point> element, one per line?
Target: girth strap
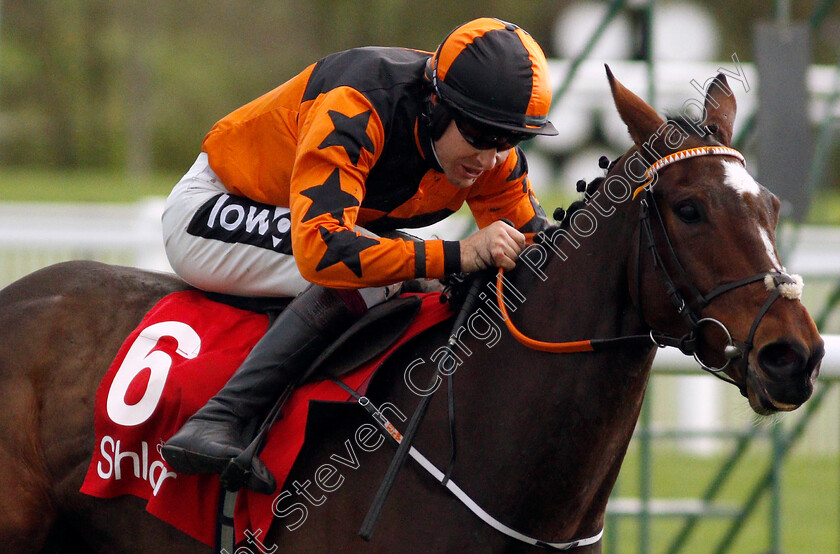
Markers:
<point>397,462</point>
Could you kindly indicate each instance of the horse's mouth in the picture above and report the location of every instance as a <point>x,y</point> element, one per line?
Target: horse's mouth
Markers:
<point>780,376</point>
<point>761,401</point>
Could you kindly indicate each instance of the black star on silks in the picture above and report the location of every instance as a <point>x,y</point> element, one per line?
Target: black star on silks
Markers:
<point>350,133</point>
<point>329,198</point>
<point>344,246</point>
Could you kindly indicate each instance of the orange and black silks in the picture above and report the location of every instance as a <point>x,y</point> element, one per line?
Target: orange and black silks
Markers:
<point>345,143</point>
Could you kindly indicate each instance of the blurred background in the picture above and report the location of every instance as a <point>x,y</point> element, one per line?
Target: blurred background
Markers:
<point>134,86</point>
<point>104,104</point>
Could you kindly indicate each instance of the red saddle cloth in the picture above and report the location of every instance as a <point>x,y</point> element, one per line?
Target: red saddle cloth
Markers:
<point>181,354</point>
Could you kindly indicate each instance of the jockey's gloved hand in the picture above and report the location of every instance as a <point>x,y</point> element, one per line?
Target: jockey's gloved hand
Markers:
<point>497,245</point>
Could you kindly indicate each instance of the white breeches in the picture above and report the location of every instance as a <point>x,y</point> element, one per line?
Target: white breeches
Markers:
<point>229,244</point>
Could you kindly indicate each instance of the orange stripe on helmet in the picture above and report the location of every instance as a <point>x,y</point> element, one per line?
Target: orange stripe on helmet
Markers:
<point>541,83</point>
<point>460,38</point>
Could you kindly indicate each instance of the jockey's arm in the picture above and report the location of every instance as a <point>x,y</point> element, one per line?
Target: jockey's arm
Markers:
<point>328,186</point>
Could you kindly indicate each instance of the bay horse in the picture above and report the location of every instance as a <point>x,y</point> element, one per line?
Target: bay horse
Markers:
<point>673,246</point>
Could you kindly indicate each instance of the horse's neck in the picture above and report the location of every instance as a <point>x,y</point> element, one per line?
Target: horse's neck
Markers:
<point>569,416</point>
<point>586,290</point>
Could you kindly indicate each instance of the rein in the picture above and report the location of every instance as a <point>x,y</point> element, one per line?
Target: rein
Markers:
<point>591,345</point>
<point>778,283</point>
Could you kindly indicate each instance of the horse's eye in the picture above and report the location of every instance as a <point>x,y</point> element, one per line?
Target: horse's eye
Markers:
<point>688,212</point>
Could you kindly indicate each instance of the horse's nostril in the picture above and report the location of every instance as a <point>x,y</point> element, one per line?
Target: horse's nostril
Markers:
<point>813,367</point>
<point>782,360</point>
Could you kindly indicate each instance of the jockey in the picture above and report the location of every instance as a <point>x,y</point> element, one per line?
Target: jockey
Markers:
<point>292,190</point>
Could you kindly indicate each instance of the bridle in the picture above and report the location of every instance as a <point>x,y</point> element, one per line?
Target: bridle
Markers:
<point>777,283</point>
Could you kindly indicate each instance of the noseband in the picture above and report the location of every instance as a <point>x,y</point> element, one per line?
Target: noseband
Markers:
<point>777,283</point>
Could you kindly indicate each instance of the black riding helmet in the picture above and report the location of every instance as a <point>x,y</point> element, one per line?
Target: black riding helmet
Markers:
<point>491,76</point>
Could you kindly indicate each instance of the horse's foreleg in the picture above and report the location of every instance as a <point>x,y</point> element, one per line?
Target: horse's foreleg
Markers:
<point>27,510</point>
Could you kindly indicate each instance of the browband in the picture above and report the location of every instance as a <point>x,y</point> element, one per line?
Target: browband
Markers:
<point>683,155</point>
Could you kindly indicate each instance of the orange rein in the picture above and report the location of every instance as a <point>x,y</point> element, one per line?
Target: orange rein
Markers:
<point>555,347</point>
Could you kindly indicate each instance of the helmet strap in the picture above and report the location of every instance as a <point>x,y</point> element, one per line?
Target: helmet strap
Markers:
<point>429,121</point>
<point>437,118</point>
<point>439,121</point>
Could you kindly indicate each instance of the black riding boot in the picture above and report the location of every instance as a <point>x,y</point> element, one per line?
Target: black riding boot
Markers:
<point>214,435</point>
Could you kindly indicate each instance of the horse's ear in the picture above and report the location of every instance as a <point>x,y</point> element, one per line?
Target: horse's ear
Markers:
<point>720,109</point>
<point>642,121</point>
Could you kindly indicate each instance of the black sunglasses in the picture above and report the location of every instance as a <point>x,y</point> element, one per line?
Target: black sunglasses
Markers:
<point>485,137</point>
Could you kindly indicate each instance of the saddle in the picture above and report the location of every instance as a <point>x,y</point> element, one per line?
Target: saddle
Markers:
<point>371,335</point>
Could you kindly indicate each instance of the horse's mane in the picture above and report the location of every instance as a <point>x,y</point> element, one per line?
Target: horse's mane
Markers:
<point>689,124</point>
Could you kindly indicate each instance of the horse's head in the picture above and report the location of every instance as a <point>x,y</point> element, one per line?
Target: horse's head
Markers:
<point>707,268</point>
